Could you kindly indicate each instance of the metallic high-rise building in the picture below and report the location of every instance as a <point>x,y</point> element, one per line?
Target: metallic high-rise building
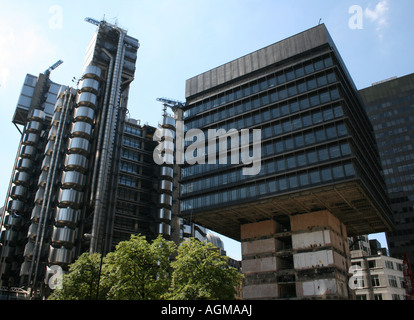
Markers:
<point>62,195</point>
<point>389,105</point>
<point>320,174</point>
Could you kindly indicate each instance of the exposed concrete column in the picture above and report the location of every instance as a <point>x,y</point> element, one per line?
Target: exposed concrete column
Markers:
<point>321,256</point>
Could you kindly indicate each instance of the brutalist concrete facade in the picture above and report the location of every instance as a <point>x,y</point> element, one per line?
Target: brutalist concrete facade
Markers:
<point>318,154</point>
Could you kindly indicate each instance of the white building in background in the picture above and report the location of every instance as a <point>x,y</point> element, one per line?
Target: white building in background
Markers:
<point>376,275</point>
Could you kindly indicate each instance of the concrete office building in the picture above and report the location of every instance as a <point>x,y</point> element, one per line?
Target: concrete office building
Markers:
<point>389,105</point>
<point>320,179</point>
<point>377,276</point>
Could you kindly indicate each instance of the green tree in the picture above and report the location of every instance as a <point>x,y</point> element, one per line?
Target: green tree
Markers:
<point>81,282</point>
<point>200,272</point>
<point>139,270</point>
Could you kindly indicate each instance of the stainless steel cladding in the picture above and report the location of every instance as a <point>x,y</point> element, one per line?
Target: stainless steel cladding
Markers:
<point>49,147</point>
<point>89,85</point>
<point>165,199</point>
<point>70,198</point>
<point>18,193</point>
<point>79,146</point>
<point>24,165</point>
<point>81,129</point>
<point>84,114</point>
<point>22,179</point>
<point>28,152</point>
<point>60,256</point>
<point>40,196</point>
<point>73,179</point>
<point>67,217</point>
<point>76,162</point>
<point>30,139</point>
<point>13,221</point>
<point>63,236</point>
<point>52,133</point>
<point>34,126</point>
<point>87,99</point>
<point>43,179</point>
<point>167,172</point>
<point>164,214</point>
<point>46,163</point>
<point>36,114</point>
<point>16,206</point>
<point>56,118</point>
<point>36,213</point>
<point>164,228</point>
<point>166,185</point>
<point>92,72</point>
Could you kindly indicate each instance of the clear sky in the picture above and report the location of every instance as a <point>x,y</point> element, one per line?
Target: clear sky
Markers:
<point>183,38</point>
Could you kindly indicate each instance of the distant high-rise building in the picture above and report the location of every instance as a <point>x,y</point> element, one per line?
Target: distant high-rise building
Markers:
<point>390,106</point>
<point>319,177</point>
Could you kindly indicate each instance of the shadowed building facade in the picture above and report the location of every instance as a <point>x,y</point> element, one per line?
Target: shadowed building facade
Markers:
<point>320,179</point>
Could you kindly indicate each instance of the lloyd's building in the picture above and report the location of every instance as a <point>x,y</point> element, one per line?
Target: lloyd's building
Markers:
<point>320,180</point>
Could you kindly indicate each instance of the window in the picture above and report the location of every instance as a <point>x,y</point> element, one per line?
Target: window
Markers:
<point>389,265</point>
<point>378,296</point>
<point>326,174</point>
<point>375,282</point>
<point>315,177</point>
<point>338,172</point>
<point>392,280</point>
<point>372,264</point>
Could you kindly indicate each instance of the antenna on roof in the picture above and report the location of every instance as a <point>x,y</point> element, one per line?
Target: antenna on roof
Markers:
<point>320,20</point>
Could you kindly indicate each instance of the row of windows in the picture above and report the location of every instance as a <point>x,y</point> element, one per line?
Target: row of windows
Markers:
<point>290,107</point>
<point>287,163</point>
<point>279,146</point>
<point>282,184</point>
<point>131,142</point>
<point>263,84</point>
<point>128,181</point>
<point>133,130</point>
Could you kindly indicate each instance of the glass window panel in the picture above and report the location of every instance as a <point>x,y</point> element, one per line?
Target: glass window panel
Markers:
<point>309,68</point>
<point>284,110</point>
<point>279,146</point>
<point>342,130</point>
<point>290,75</point>
<point>293,182</point>
<point>328,62</point>
<point>283,94</point>
<point>312,84</point>
<point>287,126</point>
<point>291,162</point>
<point>281,78</point>
<point>335,94</point>
<point>314,100</point>
<point>294,107</point>
<point>338,112</point>
<point>277,129</point>
<point>275,113</point>
<point>312,157</point>
<point>307,121</point>
<point>309,138</point>
<point>292,90</point>
<point>271,167</point>
<point>282,184</point>
<point>302,87</point>
<point>281,166</point>
<point>297,123</point>
<point>338,172</point>
<point>326,174</point>
<point>323,155</point>
<point>349,170</point>
<point>325,97</point>
<point>272,186</point>
<point>315,177</point>
<point>299,141</point>
<point>322,81</point>
<point>273,97</point>
<point>289,144</point>
<point>304,179</point>
<point>317,117</point>
<point>320,135</point>
<point>304,104</point>
<point>300,72</point>
<point>272,82</point>
<point>319,65</point>
<point>331,132</point>
<point>301,160</point>
<point>328,114</point>
<point>334,152</point>
<point>346,149</point>
<point>331,77</point>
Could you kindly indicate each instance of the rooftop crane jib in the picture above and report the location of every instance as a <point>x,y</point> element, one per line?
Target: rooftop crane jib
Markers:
<point>92,21</point>
<point>53,67</point>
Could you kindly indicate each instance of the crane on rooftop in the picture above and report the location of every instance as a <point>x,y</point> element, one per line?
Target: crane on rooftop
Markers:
<point>53,67</point>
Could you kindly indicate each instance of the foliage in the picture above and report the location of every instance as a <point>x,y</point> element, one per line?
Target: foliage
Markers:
<point>202,273</point>
<point>140,270</point>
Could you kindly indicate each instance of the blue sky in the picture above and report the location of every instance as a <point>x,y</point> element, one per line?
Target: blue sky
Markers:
<point>183,38</point>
